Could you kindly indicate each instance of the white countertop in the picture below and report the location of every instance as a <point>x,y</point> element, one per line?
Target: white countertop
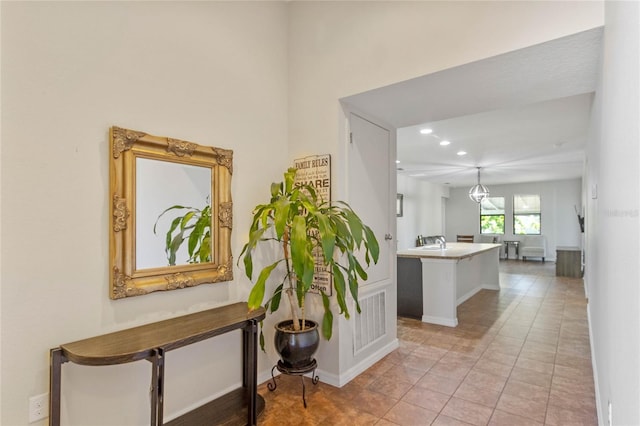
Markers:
<point>453,250</point>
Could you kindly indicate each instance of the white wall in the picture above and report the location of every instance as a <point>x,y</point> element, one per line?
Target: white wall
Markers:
<point>559,223</point>
<point>423,202</point>
<point>209,72</point>
<point>612,190</point>
<point>218,73</point>
<point>337,49</point>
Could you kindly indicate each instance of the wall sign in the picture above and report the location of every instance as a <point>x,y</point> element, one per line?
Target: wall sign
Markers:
<point>315,171</point>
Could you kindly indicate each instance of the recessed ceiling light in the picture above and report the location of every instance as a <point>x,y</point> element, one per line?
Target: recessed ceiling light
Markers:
<point>397,161</point>
<point>462,153</point>
<point>426,131</point>
<point>444,143</point>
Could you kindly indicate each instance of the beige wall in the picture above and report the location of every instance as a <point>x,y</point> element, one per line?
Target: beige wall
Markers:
<point>209,72</point>
<point>224,74</point>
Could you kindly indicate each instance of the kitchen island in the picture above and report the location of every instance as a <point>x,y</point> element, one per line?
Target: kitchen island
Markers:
<point>441,279</point>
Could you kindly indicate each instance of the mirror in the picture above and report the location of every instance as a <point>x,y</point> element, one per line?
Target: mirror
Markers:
<point>167,192</point>
<point>171,210</point>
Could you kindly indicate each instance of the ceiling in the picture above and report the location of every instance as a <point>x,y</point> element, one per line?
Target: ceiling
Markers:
<point>522,116</point>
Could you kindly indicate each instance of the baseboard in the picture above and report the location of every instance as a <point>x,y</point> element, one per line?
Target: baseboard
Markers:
<point>601,417</point>
<point>353,372</point>
<point>440,320</point>
<point>468,296</point>
<point>490,287</point>
<point>344,378</point>
<point>266,375</point>
<point>200,403</point>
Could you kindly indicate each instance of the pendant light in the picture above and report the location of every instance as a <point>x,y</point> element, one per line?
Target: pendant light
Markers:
<point>478,192</point>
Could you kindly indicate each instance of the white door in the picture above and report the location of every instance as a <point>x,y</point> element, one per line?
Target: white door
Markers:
<point>372,191</point>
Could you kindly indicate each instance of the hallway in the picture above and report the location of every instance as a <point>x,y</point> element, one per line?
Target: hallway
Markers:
<point>520,356</point>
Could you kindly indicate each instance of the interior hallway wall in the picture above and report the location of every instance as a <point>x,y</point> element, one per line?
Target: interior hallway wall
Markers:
<point>337,49</point>
<point>612,190</point>
<point>208,72</point>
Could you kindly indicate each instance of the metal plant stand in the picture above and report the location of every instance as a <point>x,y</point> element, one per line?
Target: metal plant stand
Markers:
<point>295,371</point>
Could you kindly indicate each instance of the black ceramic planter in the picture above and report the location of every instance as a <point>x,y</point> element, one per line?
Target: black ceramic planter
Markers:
<point>296,348</point>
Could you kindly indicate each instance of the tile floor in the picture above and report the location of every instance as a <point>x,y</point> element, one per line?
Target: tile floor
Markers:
<point>520,356</point>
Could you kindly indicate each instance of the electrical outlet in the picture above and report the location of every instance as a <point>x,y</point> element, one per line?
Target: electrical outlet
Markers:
<point>38,407</point>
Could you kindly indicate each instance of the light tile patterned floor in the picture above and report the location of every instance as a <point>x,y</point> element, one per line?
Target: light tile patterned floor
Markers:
<point>520,356</point>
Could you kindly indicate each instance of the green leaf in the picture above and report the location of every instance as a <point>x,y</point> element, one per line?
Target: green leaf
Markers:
<point>353,288</point>
<point>372,243</point>
<point>275,189</point>
<point>355,224</point>
<point>299,245</point>
<point>186,218</point>
<point>174,246</point>
<point>257,292</point>
<point>281,215</point>
<point>340,227</point>
<point>306,195</point>
<point>197,234</point>
<point>289,178</point>
<point>257,215</point>
<point>205,248</point>
<point>262,336</point>
<point>248,264</point>
<point>361,272</point>
<point>169,237</point>
<point>166,210</point>
<point>312,193</point>
<point>254,237</point>
<point>327,319</point>
<point>340,286</point>
<point>327,236</point>
<point>275,299</point>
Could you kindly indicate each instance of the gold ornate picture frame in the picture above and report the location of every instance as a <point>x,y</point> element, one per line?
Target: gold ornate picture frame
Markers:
<point>129,150</point>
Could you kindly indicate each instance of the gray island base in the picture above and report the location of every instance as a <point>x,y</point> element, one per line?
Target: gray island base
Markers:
<point>444,278</point>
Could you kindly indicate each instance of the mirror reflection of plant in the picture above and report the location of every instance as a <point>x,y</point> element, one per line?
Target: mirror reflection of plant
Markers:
<point>195,227</point>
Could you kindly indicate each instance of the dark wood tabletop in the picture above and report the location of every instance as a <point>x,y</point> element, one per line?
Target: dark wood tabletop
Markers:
<point>139,342</point>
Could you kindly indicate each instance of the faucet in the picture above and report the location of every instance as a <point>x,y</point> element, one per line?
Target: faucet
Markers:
<point>442,240</point>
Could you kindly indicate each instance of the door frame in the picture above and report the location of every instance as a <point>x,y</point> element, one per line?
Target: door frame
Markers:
<point>351,363</point>
<point>345,138</point>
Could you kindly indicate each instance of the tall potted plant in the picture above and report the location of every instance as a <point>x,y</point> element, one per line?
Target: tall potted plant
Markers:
<point>304,228</point>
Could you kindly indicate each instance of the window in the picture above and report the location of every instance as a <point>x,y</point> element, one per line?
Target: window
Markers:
<point>526,215</point>
<point>492,215</point>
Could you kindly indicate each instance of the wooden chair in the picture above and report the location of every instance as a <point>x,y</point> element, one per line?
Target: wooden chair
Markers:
<point>465,238</point>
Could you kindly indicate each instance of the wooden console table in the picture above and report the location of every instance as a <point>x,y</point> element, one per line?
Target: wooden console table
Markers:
<point>150,342</point>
